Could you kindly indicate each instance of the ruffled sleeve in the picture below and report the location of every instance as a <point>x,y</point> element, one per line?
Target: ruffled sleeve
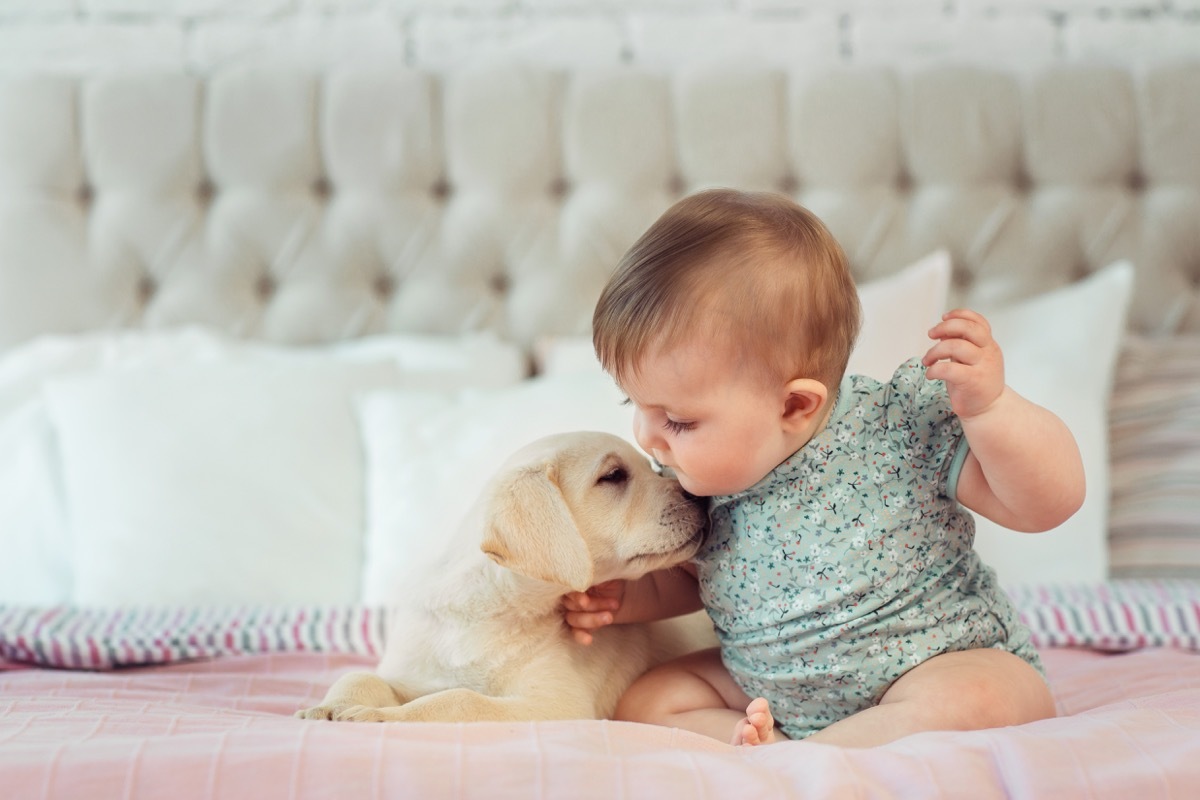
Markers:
<point>925,427</point>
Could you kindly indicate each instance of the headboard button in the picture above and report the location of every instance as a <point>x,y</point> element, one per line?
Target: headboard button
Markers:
<point>146,287</point>
<point>384,286</point>
<point>205,191</point>
<point>265,287</point>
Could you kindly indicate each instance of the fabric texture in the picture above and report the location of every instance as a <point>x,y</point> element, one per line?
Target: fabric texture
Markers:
<point>851,563</point>
<point>224,729</point>
<point>1154,429</point>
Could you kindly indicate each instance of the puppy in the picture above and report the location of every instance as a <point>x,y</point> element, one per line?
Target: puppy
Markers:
<point>482,637</point>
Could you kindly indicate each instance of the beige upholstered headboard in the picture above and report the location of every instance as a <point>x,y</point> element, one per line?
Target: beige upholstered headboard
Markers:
<point>300,208</point>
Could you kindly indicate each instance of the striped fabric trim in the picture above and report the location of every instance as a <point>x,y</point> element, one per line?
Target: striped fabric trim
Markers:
<point>73,638</point>
<point>1118,615</point>
<point>1154,452</point>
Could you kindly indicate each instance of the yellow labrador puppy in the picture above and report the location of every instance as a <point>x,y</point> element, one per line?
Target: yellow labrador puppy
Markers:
<point>483,638</point>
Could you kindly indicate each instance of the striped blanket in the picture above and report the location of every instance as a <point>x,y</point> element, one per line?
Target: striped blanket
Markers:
<point>77,638</point>
<point>1117,616</point>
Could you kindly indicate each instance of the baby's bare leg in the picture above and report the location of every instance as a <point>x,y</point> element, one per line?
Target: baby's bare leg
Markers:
<point>695,693</point>
<point>963,691</point>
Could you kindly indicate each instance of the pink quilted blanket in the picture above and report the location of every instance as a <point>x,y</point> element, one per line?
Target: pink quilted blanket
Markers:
<point>1129,727</point>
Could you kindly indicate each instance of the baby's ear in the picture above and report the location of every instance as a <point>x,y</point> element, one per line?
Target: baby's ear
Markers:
<point>803,402</point>
<point>530,530</point>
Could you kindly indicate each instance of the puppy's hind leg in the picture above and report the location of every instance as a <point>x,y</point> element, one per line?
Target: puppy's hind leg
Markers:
<point>354,690</point>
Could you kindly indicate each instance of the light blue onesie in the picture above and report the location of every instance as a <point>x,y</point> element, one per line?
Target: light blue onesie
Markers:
<point>851,562</point>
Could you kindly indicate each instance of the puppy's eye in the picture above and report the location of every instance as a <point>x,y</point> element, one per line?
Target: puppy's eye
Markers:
<point>617,475</point>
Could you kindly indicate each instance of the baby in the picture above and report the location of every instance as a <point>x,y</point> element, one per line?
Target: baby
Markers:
<point>839,571</point>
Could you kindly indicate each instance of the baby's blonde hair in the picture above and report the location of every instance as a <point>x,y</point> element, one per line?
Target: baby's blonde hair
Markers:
<point>754,274</point>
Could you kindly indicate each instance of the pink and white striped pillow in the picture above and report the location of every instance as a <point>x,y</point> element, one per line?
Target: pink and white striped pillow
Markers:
<point>1119,615</point>
<point>89,638</point>
<point>1154,435</point>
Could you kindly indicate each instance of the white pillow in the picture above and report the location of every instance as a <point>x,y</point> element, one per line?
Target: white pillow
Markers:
<point>435,362</point>
<point>35,566</point>
<point>897,313</point>
<point>35,539</point>
<point>429,456</point>
<point>1060,351</point>
<point>215,483</point>
<point>35,536</point>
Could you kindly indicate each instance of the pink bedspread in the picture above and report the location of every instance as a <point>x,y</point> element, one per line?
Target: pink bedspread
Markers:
<point>1130,728</point>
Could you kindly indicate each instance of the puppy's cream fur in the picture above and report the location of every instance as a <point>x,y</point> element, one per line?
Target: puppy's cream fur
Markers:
<point>482,637</point>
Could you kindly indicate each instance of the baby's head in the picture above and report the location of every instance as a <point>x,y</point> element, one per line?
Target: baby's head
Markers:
<point>727,286</point>
<point>755,274</point>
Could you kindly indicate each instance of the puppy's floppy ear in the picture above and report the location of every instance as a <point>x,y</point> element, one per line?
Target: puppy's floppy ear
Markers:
<point>530,530</point>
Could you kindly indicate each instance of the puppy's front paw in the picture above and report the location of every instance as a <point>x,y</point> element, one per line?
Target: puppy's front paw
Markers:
<point>316,712</point>
<point>358,714</point>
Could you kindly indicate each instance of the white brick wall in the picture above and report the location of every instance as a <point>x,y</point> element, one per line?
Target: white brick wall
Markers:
<point>200,35</point>
<point>440,40</point>
<point>662,39</point>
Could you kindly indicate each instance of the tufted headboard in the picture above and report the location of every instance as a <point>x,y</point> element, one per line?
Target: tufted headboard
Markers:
<point>302,208</point>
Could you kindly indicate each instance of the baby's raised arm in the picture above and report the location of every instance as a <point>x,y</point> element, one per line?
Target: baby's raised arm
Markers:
<point>658,595</point>
<point>1024,470</point>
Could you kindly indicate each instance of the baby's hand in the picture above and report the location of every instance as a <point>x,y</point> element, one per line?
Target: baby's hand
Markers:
<point>587,611</point>
<point>968,359</point>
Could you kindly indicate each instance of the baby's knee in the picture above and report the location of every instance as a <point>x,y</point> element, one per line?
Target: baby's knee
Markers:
<point>663,692</point>
<point>651,698</point>
<point>996,699</point>
<point>638,704</point>
<point>974,705</point>
<point>976,689</point>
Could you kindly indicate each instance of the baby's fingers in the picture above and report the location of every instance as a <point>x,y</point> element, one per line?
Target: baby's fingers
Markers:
<point>962,323</point>
<point>949,371</point>
<point>585,601</point>
<point>588,620</point>
<point>959,351</point>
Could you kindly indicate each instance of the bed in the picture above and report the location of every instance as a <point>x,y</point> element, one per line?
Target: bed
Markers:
<point>264,333</point>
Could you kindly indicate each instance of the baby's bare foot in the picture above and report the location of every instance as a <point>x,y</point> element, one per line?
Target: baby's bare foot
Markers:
<point>758,727</point>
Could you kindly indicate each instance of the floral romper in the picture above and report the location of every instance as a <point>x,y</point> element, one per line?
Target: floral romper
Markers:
<point>851,562</point>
